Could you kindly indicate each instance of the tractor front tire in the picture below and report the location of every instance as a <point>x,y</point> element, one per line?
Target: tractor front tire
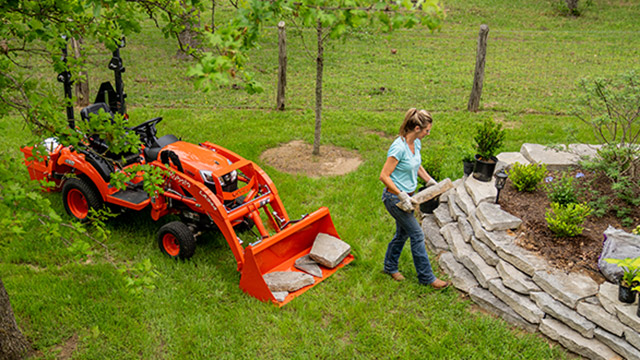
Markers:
<point>176,240</point>
<point>79,196</point>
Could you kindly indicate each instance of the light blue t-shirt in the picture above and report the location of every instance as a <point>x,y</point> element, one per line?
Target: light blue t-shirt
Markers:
<point>405,175</point>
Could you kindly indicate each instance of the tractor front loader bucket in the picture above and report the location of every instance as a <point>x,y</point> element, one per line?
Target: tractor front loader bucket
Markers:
<point>280,251</point>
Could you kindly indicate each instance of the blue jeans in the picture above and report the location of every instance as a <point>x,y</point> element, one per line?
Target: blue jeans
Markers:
<point>406,227</point>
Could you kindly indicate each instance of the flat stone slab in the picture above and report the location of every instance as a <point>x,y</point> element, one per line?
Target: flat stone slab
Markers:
<point>461,278</point>
<point>519,303</point>
<point>608,296</point>
<point>600,317</point>
<point>485,252</point>
<point>586,150</point>
<point>279,281</point>
<point>308,265</point>
<point>442,215</point>
<point>617,344</point>
<point>554,160</point>
<point>435,242</point>
<point>479,268</point>
<point>456,242</point>
<point>328,250</point>
<point>567,288</point>
<point>510,158</point>
<point>480,191</point>
<point>570,339</point>
<point>489,302</point>
<point>432,191</point>
<point>280,296</point>
<point>515,279</point>
<point>478,230</point>
<point>632,337</point>
<point>465,228</point>
<point>492,217</point>
<point>563,313</point>
<point>454,210</point>
<point>627,314</point>
<point>520,258</point>
<point>464,200</point>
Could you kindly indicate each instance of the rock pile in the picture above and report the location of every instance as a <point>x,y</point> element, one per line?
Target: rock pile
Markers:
<point>477,249</point>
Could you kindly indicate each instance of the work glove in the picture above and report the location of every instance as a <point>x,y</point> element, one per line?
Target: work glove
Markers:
<point>405,203</point>
<point>431,182</point>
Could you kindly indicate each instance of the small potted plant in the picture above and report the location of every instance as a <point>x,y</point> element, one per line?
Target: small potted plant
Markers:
<point>468,163</point>
<point>488,139</point>
<point>630,276</point>
<point>636,289</point>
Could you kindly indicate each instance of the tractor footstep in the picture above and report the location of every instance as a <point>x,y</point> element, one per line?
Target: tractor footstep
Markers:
<point>308,265</point>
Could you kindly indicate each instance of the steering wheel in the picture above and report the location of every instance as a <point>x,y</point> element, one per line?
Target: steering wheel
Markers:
<point>147,130</point>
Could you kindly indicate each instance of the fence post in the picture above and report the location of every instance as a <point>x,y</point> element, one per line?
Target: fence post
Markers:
<point>282,65</point>
<point>478,78</point>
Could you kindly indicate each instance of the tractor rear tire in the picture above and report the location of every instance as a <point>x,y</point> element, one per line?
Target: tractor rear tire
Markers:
<point>176,240</point>
<point>79,196</point>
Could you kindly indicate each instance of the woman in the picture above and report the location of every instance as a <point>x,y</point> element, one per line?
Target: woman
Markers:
<point>400,176</point>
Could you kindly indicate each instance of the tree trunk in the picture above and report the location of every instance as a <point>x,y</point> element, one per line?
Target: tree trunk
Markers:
<point>282,66</point>
<point>188,38</point>
<point>319,69</point>
<point>213,16</point>
<point>478,78</point>
<point>13,344</point>
<point>572,5</point>
<point>82,83</point>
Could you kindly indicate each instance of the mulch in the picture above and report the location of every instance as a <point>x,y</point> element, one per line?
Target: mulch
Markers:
<point>570,254</point>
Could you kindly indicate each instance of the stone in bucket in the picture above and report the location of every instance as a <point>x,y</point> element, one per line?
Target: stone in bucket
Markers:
<point>287,280</point>
<point>329,251</point>
<point>308,265</point>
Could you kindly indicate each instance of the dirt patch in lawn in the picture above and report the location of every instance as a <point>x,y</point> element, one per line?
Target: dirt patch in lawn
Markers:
<point>575,254</point>
<point>295,158</point>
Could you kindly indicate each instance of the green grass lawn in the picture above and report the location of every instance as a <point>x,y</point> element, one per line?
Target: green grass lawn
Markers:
<point>197,310</point>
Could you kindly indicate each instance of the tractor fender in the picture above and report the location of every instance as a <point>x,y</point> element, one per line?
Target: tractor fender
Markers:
<point>80,165</point>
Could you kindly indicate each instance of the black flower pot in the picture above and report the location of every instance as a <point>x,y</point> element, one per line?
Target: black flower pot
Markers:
<point>483,170</point>
<point>467,167</point>
<point>427,207</point>
<point>638,312</point>
<point>626,295</point>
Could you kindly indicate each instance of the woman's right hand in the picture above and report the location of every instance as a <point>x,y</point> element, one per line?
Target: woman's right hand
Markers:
<point>405,202</point>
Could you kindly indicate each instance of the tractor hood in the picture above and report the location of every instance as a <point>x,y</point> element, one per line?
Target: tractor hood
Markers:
<point>196,159</point>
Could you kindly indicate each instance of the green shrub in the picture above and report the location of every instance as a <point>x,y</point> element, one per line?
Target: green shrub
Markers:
<point>433,166</point>
<point>561,191</point>
<point>489,137</point>
<point>567,220</point>
<point>527,177</point>
<point>636,231</point>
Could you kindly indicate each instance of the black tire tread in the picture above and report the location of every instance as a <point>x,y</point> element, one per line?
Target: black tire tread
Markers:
<point>184,236</point>
<point>94,200</point>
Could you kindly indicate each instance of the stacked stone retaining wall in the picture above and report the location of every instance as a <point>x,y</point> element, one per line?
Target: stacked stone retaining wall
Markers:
<point>476,246</point>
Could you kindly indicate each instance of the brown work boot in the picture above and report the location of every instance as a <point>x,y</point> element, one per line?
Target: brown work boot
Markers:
<point>397,276</point>
<point>440,284</point>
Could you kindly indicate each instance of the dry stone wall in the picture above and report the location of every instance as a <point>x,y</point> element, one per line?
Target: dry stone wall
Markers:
<point>476,247</point>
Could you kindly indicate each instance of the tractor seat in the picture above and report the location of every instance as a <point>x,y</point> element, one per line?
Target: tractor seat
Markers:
<point>95,141</point>
<point>151,153</point>
<point>95,109</point>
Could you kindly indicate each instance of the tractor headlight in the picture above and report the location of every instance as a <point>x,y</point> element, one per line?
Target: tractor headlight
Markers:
<point>224,179</point>
<point>228,178</point>
<point>206,176</point>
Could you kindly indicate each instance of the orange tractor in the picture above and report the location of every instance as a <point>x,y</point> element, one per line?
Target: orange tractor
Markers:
<point>207,186</point>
